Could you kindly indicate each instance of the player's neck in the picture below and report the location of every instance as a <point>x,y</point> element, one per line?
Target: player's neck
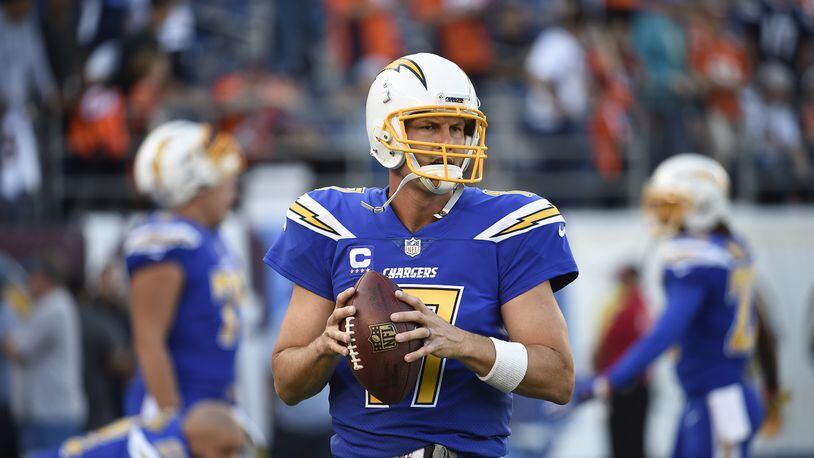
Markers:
<point>195,213</point>
<point>415,207</point>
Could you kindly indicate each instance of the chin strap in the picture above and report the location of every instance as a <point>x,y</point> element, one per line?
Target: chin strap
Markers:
<point>456,194</point>
<point>410,177</point>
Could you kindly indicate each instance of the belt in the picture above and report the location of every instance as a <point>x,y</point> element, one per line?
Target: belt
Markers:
<point>432,451</point>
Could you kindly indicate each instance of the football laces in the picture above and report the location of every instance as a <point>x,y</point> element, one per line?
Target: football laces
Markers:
<point>354,355</point>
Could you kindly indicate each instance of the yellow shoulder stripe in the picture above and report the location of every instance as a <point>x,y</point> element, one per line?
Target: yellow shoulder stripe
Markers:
<point>529,220</point>
<point>360,190</point>
<point>489,192</point>
<point>311,218</point>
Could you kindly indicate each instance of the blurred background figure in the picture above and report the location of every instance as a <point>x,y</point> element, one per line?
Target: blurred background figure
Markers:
<point>25,64</point>
<point>45,350</point>
<point>106,347</point>
<point>710,312</point>
<point>783,166</point>
<point>625,319</point>
<point>556,105</point>
<point>361,30</point>
<point>20,175</point>
<point>721,68</point>
<point>12,297</point>
<point>98,133</point>
<point>666,88</point>
<point>185,286</point>
<point>613,68</point>
<point>457,29</point>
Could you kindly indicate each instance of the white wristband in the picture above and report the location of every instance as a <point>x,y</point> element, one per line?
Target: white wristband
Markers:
<point>511,363</point>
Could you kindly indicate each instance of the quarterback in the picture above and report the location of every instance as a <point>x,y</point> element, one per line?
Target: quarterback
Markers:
<point>710,311</point>
<point>478,268</point>
<point>185,285</point>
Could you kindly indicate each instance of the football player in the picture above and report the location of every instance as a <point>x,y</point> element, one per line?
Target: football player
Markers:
<point>209,429</point>
<point>709,314</point>
<point>478,268</point>
<point>185,286</point>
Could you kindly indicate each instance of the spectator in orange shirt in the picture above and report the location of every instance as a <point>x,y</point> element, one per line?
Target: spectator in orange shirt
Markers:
<point>459,32</point>
<point>98,137</point>
<point>721,68</point>
<point>359,30</point>
<point>97,129</point>
<point>612,66</point>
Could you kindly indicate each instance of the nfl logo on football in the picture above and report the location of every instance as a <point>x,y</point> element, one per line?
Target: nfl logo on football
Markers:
<point>412,247</point>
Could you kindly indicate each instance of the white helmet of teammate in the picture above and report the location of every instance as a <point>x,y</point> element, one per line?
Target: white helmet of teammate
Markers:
<point>425,85</point>
<point>688,190</point>
<point>179,158</point>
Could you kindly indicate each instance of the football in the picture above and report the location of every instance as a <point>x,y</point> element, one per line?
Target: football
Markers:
<point>374,356</point>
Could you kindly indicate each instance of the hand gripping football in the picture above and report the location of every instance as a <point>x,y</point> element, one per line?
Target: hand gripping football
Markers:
<point>374,356</point>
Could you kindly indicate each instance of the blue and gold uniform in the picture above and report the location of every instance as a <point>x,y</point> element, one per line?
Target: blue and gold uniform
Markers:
<point>710,315</point>
<point>129,437</point>
<point>204,335</point>
<point>489,249</point>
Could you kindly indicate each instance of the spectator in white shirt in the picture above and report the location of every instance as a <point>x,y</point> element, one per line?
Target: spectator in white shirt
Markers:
<point>558,94</point>
<point>19,164</point>
<point>773,134</point>
<point>23,57</point>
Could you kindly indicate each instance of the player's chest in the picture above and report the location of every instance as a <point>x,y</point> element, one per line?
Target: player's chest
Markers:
<point>458,279</point>
<point>415,258</point>
<point>214,276</point>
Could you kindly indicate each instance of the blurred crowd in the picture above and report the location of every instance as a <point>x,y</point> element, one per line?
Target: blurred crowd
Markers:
<point>595,84</point>
<point>65,351</point>
<point>592,86</point>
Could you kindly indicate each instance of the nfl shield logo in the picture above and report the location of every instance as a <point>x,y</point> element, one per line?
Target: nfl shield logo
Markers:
<point>412,247</point>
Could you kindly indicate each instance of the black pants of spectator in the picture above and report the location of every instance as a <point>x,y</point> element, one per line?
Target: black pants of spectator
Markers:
<point>296,444</point>
<point>627,421</point>
<point>8,433</point>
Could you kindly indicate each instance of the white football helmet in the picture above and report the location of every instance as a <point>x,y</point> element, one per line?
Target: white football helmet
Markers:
<point>688,190</point>
<point>179,158</point>
<point>425,85</point>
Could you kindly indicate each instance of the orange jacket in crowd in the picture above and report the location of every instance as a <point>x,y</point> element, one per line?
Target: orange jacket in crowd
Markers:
<point>378,32</point>
<point>463,39</point>
<point>99,124</point>
<point>716,56</point>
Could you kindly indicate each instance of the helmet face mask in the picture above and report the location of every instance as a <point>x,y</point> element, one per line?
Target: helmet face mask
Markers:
<point>426,86</point>
<point>472,151</point>
<point>665,211</point>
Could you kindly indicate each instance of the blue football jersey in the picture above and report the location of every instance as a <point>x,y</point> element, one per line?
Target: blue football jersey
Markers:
<point>129,437</point>
<point>710,315</point>
<point>205,332</point>
<point>489,249</point>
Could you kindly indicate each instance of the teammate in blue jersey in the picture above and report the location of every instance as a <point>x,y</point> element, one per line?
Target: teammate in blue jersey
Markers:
<point>209,429</point>
<point>479,269</point>
<point>709,313</point>
<point>185,285</point>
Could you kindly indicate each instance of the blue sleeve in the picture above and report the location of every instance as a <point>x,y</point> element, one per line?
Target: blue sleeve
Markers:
<point>531,258</point>
<point>161,242</point>
<point>685,298</point>
<point>136,261</point>
<point>304,257</point>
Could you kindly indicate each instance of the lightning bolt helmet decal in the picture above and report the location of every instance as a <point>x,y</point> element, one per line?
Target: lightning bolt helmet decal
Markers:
<point>410,65</point>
